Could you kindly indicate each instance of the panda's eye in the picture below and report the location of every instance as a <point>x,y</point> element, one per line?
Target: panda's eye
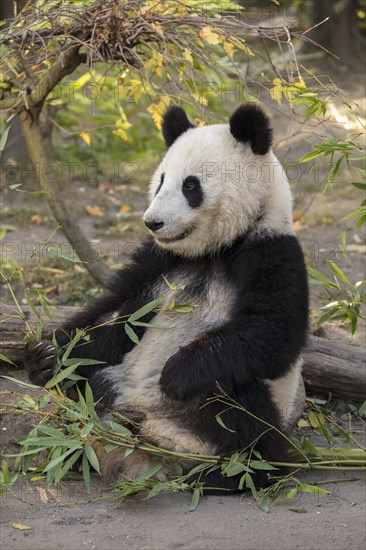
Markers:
<point>193,191</point>
<point>190,183</point>
<point>160,184</point>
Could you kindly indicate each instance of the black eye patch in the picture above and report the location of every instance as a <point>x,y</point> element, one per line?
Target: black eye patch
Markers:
<point>160,184</point>
<point>192,191</point>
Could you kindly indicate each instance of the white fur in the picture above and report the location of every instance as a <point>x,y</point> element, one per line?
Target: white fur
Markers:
<point>239,187</point>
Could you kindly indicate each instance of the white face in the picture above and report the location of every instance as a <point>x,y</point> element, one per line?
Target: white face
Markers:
<point>214,189</point>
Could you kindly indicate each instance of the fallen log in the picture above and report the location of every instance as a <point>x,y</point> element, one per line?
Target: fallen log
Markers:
<point>330,365</point>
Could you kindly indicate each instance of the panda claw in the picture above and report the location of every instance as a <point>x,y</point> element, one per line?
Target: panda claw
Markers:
<point>38,345</point>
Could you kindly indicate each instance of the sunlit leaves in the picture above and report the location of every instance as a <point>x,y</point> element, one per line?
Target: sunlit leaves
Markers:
<point>158,109</point>
<point>85,136</point>
<point>209,35</point>
<point>298,93</point>
<point>155,63</point>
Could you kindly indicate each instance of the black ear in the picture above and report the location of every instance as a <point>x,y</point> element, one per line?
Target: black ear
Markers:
<point>175,123</point>
<point>250,123</point>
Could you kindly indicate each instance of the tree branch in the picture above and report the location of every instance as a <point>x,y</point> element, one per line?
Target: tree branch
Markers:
<point>65,64</point>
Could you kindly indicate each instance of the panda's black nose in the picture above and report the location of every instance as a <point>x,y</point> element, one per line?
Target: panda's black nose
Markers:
<point>154,226</point>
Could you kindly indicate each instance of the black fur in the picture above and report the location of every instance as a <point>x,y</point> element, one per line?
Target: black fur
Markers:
<point>262,339</point>
<point>175,123</point>
<point>250,124</point>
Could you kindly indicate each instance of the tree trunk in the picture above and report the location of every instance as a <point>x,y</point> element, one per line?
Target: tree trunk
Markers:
<point>329,367</point>
<point>97,268</point>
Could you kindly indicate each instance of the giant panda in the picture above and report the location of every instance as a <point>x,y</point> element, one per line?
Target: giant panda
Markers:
<point>220,239</point>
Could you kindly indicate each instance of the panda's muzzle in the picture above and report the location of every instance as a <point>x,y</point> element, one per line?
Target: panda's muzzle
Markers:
<point>179,237</point>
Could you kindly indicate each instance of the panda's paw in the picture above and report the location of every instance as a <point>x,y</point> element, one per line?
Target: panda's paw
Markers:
<point>178,380</point>
<point>39,360</point>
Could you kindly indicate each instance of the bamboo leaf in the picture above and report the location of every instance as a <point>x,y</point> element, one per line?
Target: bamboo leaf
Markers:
<point>20,382</point>
<point>320,278</point>
<point>264,503</point>
<point>119,428</point>
<point>6,359</point>
<point>70,346</point>
<point>70,462</point>
<point>57,460</point>
<point>261,465</point>
<point>89,401</point>
<point>235,469</point>
<point>92,457</point>
<point>61,375</point>
<point>86,472</point>
<point>149,325</point>
<point>50,442</point>
<point>81,361</point>
<point>291,494</point>
<point>220,421</point>
<point>337,270</point>
<point>131,334</point>
<point>359,184</point>
<point>195,499</point>
<point>150,472</point>
<point>144,310</point>
<point>48,430</point>
<point>4,138</point>
<point>314,489</point>
<point>310,156</point>
<point>156,490</point>
<point>85,431</point>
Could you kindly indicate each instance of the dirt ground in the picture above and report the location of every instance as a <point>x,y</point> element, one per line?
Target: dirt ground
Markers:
<point>66,517</point>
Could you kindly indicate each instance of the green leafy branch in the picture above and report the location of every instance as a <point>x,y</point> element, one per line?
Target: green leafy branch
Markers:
<point>350,308</point>
<point>346,151</point>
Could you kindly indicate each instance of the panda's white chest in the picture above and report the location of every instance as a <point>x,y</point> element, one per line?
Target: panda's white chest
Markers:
<point>137,378</point>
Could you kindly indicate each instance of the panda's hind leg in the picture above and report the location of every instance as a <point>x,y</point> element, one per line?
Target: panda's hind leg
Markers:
<point>115,465</point>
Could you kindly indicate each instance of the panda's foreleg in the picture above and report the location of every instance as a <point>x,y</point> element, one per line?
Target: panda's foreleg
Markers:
<point>106,342</point>
<point>39,360</point>
<point>237,353</point>
<point>195,368</point>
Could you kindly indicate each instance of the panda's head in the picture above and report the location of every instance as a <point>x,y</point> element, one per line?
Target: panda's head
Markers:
<point>216,183</point>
